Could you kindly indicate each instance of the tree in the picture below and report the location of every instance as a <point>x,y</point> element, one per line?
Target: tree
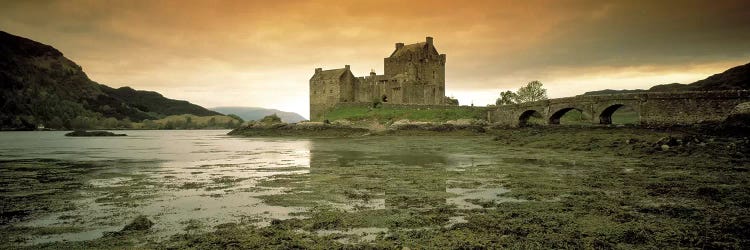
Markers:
<point>149,124</point>
<point>506,97</point>
<point>125,123</point>
<point>451,101</point>
<point>533,91</point>
<point>236,117</point>
<point>271,119</point>
<point>212,122</point>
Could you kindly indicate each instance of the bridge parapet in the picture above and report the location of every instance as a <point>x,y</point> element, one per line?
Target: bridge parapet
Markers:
<point>653,108</point>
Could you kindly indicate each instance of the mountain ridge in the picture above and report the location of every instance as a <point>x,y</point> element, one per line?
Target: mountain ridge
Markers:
<point>735,78</point>
<point>41,87</point>
<point>257,113</point>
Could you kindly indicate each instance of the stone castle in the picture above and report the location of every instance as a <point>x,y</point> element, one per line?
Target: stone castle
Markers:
<point>414,74</point>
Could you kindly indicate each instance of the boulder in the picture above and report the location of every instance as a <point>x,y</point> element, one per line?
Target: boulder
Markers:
<point>140,223</point>
<point>740,116</point>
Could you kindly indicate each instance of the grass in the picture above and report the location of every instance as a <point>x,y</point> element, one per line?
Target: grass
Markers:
<point>385,114</point>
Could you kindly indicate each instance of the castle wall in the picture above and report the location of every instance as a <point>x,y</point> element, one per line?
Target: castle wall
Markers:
<point>414,74</point>
<point>327,92</point>
<point>323,95</point>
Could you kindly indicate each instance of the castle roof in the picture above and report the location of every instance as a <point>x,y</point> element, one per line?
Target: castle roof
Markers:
<point>408,48</point>
<point>330,74</point>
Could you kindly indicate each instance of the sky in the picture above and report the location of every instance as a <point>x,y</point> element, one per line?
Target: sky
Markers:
<point>263,53</point>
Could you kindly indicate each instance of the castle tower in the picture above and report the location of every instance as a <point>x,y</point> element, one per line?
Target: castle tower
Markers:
<point>329,87</point>
<point>418,64</point>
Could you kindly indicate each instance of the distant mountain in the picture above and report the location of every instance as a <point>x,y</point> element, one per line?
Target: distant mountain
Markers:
<point>253,113</point>
<point>732,79</point>
<point>614,91</point>
<point>38,85</point>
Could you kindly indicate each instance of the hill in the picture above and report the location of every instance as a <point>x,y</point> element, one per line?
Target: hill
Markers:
<point>254,113</point>
<point>735,78</point>
<point>40,86</point>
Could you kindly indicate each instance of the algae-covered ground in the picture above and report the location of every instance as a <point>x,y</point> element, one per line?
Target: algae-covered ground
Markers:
<point>541,188</point>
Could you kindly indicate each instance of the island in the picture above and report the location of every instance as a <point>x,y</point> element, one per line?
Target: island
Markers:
<point>92,133</point>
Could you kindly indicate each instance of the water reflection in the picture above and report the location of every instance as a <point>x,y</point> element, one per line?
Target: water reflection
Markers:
<point>183,178</point>
<point>397,173</point>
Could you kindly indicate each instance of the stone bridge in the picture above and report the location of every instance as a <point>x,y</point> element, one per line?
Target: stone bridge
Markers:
<point>653,108</point>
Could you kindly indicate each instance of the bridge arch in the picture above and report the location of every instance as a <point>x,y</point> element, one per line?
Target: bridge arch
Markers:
<point>605,117</point>
<point>554,119</point>
<point>523,119</point>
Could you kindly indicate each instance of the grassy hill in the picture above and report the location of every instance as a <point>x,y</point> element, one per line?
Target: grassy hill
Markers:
<point>40,86</point>
<point>736,78</point>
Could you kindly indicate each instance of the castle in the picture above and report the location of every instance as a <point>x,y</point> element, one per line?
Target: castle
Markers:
<point>414,74</point>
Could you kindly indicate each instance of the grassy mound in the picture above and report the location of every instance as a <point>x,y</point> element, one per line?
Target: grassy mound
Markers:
<point>385,114</point>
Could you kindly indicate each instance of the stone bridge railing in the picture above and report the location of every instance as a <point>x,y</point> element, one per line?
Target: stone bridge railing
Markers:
<point>653,108</point>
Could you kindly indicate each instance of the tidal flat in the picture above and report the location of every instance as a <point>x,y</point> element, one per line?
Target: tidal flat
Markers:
<point>562,187</point>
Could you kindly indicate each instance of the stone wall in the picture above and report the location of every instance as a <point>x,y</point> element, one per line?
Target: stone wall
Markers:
<point>658,108</point>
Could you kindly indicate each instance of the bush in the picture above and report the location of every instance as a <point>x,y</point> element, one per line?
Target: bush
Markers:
<point>270,119</point>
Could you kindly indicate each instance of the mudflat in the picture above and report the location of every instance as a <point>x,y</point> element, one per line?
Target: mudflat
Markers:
<point>563,187</point>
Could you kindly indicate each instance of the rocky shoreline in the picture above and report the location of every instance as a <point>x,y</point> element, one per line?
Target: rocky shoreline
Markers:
<point>735,127</point>
<point>343,128</point>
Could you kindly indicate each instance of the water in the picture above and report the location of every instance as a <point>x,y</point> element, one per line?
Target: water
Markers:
<point>188,181</point>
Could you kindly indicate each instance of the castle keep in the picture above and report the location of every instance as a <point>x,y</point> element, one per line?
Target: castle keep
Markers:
<point>414,74</point>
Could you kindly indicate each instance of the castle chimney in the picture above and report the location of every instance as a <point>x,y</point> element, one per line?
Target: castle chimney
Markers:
<point>346,67</point>
<point>429,40</point>
<point>318,70</point>
<point>372,72</point>
<point>399,45</point>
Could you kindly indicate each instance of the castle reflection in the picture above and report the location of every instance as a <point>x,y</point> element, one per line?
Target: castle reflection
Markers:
<point>375,174</point>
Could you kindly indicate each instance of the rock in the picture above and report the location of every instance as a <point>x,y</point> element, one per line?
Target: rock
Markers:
<point>670,141</point>
<point>461,122</point>
<point>92,133</point>
<point>740,116</point>
<point>664,147</point>
<point>311,124</point>
<point>342,122</point>
<point>140,223</point>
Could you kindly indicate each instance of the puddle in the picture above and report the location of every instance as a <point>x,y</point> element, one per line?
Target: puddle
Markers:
<point>354,235</point>
<point>468,198</point>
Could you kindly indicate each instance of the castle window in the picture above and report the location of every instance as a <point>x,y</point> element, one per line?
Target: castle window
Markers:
<point>384,98</point>
<point>330,91</point>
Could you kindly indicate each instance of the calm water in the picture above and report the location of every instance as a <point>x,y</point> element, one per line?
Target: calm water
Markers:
<point>194,180</point>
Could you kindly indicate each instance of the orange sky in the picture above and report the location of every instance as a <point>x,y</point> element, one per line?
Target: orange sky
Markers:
<point>262,53</point>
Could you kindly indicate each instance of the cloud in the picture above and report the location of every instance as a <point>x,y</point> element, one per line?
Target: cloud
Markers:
<point>205,51</point>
